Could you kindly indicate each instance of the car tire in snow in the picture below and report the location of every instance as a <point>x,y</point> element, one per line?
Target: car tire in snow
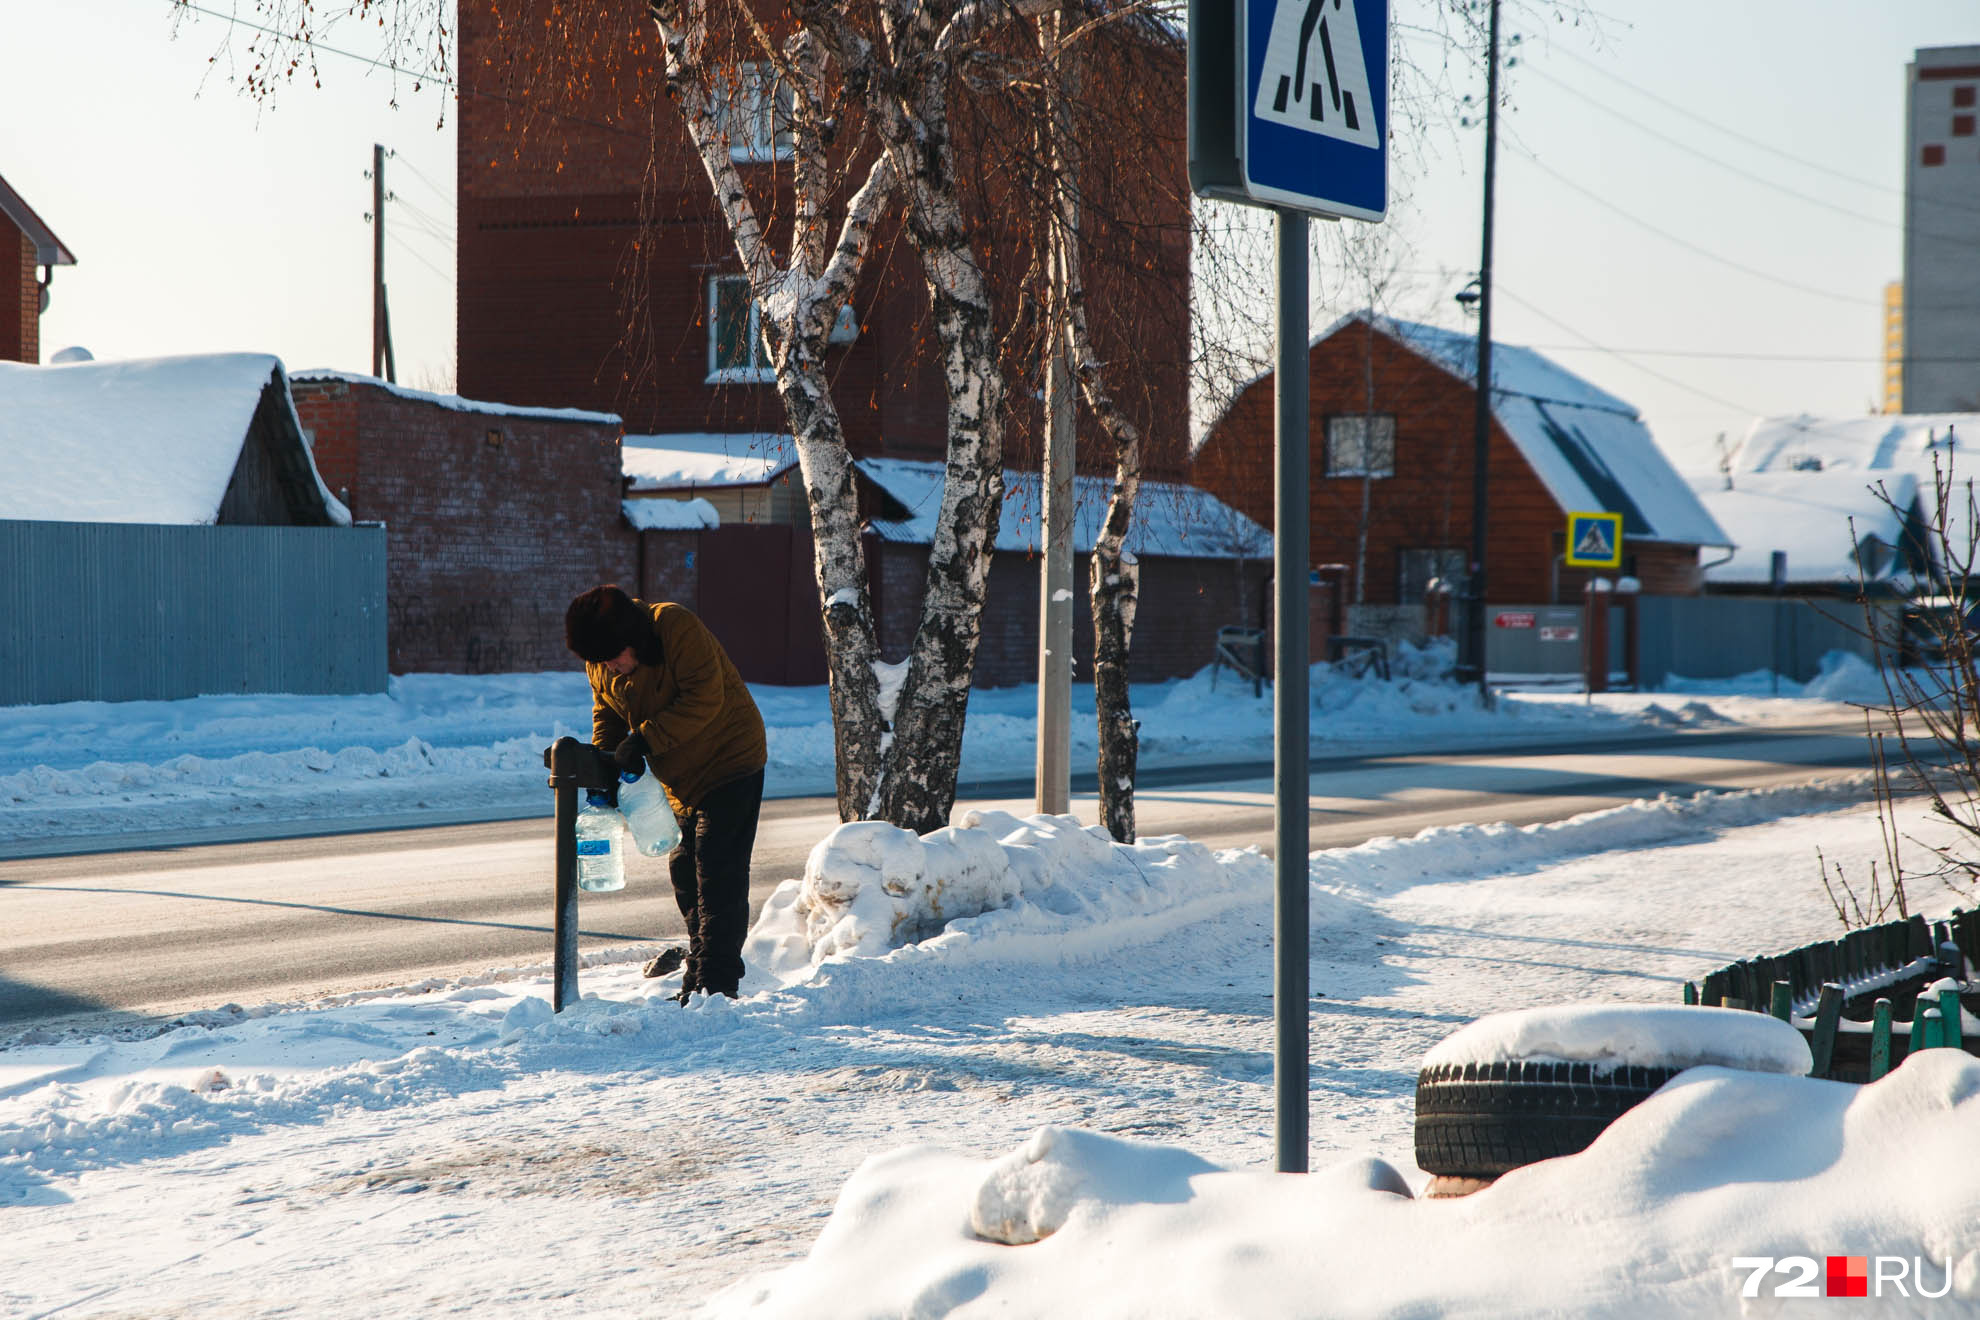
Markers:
<point>1479,1120</point>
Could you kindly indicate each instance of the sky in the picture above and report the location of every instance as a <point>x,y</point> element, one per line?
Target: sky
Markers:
<point>1698,203</point>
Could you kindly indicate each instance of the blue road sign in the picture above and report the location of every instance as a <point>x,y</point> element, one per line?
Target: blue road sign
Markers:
<point>1315,105</point>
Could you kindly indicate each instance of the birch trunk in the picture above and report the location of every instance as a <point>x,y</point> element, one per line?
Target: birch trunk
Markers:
<point>800,299</point>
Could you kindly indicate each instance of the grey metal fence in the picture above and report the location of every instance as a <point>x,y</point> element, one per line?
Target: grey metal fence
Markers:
<point>1722,636</point>
<point>132,612</point>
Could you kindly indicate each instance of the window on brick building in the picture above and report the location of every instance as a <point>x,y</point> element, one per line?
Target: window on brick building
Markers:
<point>1361,445</point>
<point>736,354</point>
<point>754,112</point>
<point>1416,566</point>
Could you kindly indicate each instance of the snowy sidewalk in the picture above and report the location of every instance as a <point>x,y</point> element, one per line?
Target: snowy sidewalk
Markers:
<point>440,749</point>
<point>455,1148</point>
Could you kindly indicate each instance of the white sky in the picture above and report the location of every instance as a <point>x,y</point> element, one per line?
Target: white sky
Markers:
<point>203,221</point>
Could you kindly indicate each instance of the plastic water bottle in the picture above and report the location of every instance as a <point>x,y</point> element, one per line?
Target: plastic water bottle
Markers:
<point>601,862</point>
<point>648,814</point>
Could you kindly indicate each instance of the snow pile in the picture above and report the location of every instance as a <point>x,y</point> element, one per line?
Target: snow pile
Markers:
<point>1452,852</point>
<point>1644,1223</point>
<point>1843,676</point>
<point>1614,1036</point>
<point>870,887</point>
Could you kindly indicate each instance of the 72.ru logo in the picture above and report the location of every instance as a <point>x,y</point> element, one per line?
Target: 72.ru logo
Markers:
<point>1845,1276</point>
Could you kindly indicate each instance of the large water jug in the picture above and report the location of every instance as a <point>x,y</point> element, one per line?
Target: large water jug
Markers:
<point>601,861</point>
<point>649,815</point>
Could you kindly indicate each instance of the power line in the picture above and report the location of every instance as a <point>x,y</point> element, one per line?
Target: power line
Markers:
<point>442,79</point>
<point>438,191</point>
<point>1716,126</point>
<point>414,253</point>
<point>313,44</point>
<point>1685,243</point>
<point>1742,171</point>
<point>1618,355</point>
<point>1711,355</point>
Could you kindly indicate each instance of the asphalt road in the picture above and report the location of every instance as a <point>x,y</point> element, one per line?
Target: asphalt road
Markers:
<point>127,938</point>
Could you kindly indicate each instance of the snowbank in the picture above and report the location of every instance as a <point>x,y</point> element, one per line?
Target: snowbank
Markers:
<point>1642,1224</point>
<point>870,888</point>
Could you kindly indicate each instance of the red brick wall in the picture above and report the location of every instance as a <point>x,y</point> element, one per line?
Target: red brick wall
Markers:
<point>1427,503</point>
<point>486,543</point>
<point>587,237</point>
<point>20,297</point>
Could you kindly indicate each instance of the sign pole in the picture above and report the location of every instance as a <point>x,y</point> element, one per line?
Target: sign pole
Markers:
<point>1482,418</point>
<point>1290,788</point>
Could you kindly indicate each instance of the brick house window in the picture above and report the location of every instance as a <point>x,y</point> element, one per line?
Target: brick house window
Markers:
<point>736,355</point>
<point>1962,125</point>
<point>754,112</point>
<point>1416,566</point>
<point>1932,155</point>
<point>1962,98</point>
<point>1361,445</point>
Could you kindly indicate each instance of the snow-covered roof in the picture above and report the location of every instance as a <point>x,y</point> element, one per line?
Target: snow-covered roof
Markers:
<point>670,515</point>
<point>1889,442</point>
<point>48,249</point>
<point>455,402</point>
<point>1169,519</point>
<point>1924,447</point>
<point>1818,518</point>
<point>693,460</point>
<point>149,440</point>
<point>1590,449</point>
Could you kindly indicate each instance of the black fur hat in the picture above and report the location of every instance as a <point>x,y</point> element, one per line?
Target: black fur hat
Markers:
<point>603,622</point>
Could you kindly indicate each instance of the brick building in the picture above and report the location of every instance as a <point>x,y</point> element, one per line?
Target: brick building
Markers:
<point>594,270</point>
<point>26,243</point>
<point>1393,408</point>
<point>495,516</point>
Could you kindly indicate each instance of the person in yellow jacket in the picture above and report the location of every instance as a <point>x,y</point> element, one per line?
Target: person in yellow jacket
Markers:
<point>666,697</point>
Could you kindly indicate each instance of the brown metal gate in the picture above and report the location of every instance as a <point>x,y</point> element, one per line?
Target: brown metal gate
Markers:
<point>755,590</point>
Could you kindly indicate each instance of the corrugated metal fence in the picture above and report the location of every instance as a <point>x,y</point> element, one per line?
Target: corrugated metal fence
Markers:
<point>1723,636</point>
<point>134,612</point>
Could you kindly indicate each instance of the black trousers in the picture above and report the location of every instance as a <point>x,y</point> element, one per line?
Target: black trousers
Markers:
<point>710,870</point>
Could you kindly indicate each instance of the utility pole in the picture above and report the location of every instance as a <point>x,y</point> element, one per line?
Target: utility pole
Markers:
<point>1482,420</point>
<point>381,316</point>
<point>1055,576</point>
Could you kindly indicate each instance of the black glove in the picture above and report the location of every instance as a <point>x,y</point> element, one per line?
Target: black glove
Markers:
<point>631,755</point>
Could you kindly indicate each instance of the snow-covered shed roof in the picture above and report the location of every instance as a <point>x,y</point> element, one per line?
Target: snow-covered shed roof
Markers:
<point>154,440</point>
<point>1590,449</point>
<point>48,249</point>
<point>455,402</point>
<point>661,514</point>
<point>1169,519</point>
<point>1837,527</point>
<point>696,460</point>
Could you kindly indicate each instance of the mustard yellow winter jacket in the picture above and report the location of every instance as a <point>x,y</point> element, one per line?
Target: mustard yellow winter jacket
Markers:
<point>701,726</point>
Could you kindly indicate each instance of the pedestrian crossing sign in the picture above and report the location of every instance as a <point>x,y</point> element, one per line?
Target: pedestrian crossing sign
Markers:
<point>1594,540</point>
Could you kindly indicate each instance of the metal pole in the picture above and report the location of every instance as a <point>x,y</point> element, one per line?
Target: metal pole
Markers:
<point>377,260</point>
<point>1291,560</point>
<point>1482,419</point>
<point>564,955</point>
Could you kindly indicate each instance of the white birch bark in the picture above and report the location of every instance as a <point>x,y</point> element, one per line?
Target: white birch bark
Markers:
<point>800,298</point>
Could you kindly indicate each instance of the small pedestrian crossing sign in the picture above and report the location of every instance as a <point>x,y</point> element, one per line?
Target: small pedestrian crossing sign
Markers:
<point>1594,540</point>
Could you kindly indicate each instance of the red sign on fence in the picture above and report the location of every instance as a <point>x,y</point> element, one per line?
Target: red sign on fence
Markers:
<point>1514,619</point>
